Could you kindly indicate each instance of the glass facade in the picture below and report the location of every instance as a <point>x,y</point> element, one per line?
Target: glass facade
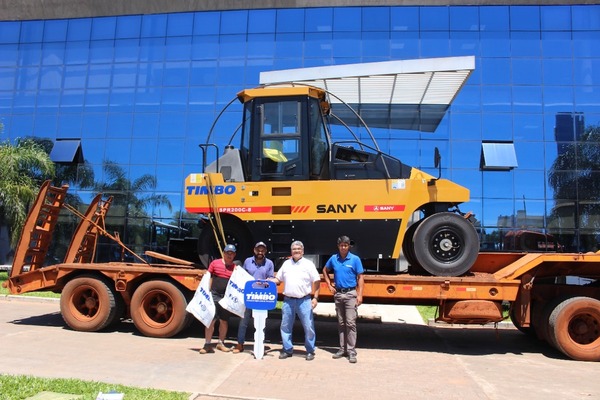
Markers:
<point>141,92</point>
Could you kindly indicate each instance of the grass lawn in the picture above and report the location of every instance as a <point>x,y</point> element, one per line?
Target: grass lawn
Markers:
<point>18,387</point>
<point>427,312</point>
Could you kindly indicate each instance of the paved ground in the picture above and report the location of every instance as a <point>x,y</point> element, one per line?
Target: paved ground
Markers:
<point>397,359</point>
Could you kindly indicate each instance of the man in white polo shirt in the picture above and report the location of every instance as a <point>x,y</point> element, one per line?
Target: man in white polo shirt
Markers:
<point>300,295</point>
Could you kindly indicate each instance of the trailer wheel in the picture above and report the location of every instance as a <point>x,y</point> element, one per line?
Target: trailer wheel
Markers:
<point>158,309</point>
<point>542,319</point>
<point>515,321</point>
<point>120,308</point>
<point>88,304</point>
<point>446,244</point>
<point>574,328</point>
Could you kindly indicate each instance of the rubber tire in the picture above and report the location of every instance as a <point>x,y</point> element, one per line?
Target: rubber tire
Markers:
<point>88,304</point>
<point>235,233</point>
<point>446,228</point>
<point>542,325</point>
<point>526,330</point>
<point>574,328</point>
<point>158,309</point>
<point>120,308</point>
<point>408,249</point>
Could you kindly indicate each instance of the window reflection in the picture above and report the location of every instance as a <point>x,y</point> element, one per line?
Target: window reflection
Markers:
<point>495,44</point>
<point>498,185</point>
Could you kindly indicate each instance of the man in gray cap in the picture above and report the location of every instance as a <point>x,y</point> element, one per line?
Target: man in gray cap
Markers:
<point>220,271</point>
<point>261,268</point>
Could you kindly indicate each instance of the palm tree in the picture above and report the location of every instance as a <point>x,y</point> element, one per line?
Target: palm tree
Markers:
<point>23,167</point>
<point>126,192</point>
<point>130,201</point>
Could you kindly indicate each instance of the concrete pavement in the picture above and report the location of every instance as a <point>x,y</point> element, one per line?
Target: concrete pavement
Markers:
<point>395,360</point>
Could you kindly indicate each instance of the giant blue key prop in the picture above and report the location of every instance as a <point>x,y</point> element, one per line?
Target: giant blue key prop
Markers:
<point>260,296</point>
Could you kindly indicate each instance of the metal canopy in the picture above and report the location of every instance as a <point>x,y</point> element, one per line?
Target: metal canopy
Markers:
<point>498,156</point>
<point>407,94</point>
<point>67,151</point>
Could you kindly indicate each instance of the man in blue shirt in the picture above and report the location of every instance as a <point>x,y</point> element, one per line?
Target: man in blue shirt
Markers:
<point>261,268</point>
<point>347,293</point>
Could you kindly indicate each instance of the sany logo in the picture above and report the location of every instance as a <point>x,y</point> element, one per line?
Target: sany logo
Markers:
<point>335,208</point>
<point>258,296</point>
<point>384,207</point>
<point>204,190</point>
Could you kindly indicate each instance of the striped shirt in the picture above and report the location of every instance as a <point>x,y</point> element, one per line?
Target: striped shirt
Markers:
<point>220,276</point>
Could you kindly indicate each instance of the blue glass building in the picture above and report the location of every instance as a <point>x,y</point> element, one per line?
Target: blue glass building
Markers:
<point>138,93</point>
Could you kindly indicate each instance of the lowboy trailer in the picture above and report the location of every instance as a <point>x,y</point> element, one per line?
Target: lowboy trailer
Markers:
<point>544,290</point>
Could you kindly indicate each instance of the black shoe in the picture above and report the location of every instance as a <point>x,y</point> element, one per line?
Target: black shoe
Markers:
<point>283,355</point>
<point>339,354</point>
<point>310,356</point>
<point>352,359</point>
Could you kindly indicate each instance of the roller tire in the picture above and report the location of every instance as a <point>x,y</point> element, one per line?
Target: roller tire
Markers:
<point>408,249</point>
<point>407,245</point>
<point>235,233</point>
<point>446,244</point>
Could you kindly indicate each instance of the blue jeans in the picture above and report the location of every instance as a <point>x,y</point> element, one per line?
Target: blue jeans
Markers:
<point>241,335</point>
<point>303,308</point>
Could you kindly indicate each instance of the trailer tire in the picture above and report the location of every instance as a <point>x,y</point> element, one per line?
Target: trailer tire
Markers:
<point>88,304</point>
<point>515,321</point>
<point>158,309</point>
<point>119,313</point>
<point>446,244</point>
<point>542,321</point>
<point>574,328</point>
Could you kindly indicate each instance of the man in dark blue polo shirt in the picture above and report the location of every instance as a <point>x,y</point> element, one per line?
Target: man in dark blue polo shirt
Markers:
<point>347,293</point>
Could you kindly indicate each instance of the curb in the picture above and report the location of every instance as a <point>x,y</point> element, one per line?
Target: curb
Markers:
<point>17,297</point>
<point>489,325</point>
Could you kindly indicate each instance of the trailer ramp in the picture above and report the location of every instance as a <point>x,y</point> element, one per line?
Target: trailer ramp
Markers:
<point>37,232</point>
